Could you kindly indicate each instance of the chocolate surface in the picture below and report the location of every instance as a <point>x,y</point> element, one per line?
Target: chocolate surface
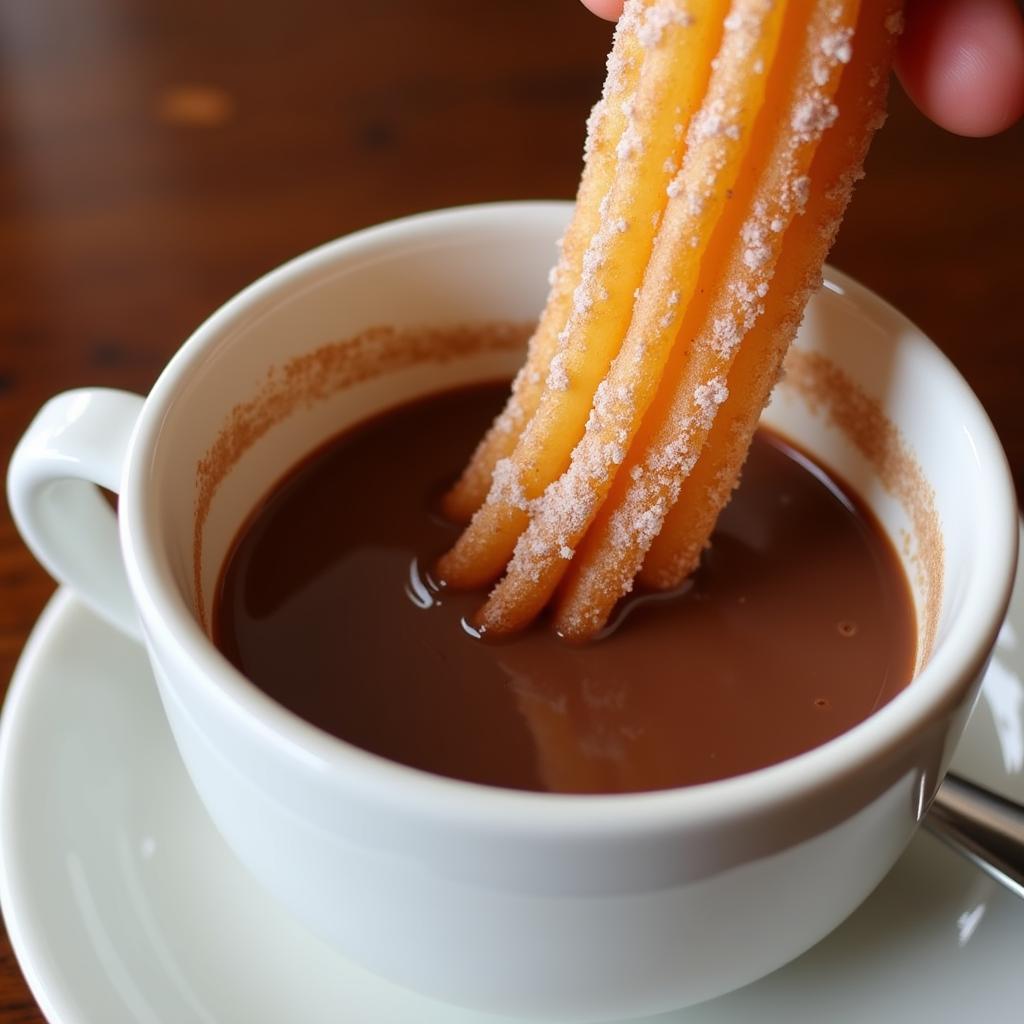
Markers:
<point>798,625</point>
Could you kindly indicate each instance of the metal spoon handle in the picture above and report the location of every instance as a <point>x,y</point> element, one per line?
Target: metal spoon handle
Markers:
<point>986,828</point>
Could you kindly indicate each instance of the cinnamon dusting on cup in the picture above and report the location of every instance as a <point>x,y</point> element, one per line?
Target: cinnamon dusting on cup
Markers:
<point>829,391</point>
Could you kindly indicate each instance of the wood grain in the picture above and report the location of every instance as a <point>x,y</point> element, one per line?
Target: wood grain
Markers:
<point>155,157</point>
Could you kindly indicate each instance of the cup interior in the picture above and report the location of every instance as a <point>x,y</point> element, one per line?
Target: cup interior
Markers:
<point>338,335</point>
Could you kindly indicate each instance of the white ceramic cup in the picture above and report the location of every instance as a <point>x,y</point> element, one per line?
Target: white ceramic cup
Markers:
<point>570,907</point>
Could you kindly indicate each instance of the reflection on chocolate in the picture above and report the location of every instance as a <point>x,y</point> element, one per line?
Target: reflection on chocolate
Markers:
<point>798,625</point>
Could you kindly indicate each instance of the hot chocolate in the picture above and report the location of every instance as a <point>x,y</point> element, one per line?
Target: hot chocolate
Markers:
<point>797,626</point>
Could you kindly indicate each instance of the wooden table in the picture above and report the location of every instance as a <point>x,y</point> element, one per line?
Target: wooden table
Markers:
<point>157,156</point>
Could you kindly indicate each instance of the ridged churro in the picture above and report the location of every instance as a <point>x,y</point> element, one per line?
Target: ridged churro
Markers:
<point>628,426</point>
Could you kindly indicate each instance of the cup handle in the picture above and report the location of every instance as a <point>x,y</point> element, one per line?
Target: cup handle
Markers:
<point>78,440</point>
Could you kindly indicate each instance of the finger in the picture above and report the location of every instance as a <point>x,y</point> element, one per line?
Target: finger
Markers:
<point>962,63</point>
<point>609,9</point>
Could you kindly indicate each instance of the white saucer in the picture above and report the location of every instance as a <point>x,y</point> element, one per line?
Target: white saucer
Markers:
<point>123,903</point>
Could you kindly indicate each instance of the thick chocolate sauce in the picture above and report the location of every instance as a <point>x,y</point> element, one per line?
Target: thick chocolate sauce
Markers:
<point>798,625</point>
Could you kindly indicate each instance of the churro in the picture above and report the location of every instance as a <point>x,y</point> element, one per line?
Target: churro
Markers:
<point>703,251</point>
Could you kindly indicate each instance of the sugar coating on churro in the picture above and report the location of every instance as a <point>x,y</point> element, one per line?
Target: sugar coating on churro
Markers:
<point>657,18</point>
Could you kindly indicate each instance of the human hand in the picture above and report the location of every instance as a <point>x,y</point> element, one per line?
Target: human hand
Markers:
<point>960,61</point>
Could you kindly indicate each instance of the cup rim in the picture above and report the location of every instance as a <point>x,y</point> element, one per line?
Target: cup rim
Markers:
<point>956,661</point>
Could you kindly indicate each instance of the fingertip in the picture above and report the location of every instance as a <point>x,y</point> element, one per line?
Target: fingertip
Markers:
<point>962,63</point>
<point>609,9</point>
